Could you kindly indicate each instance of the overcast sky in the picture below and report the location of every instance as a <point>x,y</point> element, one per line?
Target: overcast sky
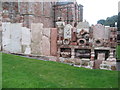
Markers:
<point>94,10</point>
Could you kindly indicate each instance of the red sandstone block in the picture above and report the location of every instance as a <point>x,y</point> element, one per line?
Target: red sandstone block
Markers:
<point>53,41</point>
<point>73,43</point>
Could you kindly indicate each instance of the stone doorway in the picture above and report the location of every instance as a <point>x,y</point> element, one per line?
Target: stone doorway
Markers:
<point>100,53</point>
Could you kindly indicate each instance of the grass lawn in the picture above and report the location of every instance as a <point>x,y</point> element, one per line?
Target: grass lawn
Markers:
<point>118,52</point>
<point>21,72</point>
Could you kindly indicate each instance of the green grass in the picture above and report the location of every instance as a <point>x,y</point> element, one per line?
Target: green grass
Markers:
<point>21,72</point>
<point>118,51</point>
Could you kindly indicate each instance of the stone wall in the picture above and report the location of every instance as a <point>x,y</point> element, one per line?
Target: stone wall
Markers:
<point>28,12</point>
<point>71,12</point>
<point>41,12</point>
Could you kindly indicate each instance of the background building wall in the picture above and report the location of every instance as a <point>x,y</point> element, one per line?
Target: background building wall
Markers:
<point>70,12</point>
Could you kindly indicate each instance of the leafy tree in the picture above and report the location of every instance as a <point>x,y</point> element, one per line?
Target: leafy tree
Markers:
<point>101,21</point>
<point>110,21</point>
<point>118,22</point>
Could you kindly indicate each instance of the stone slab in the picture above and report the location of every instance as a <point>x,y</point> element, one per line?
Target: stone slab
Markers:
<point>53,41</point>
<point>16,32</point>
<point>36,38</point>
<point>46,32</point>
<point>11,37</point>
<point>67,31</point>
<point>26,40</point>
<point>99,31</point>
<point>83,26</point>
<point>46,42</point>
<point>97,64</point>
<point>26,36</point>
<point>107,32</point>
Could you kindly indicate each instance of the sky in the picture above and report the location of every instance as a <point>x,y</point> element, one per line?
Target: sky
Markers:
<point>95,10</point>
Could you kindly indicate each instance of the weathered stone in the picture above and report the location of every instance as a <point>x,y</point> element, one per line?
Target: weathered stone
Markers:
<point>15,37</point>
<point>97,64</point>
<point>67,31</point>
<point>52,58</point>
<point>53,41</point>
<point>28,50</point>
<point>101,56</point>
<point>40,39</point>
<point>60,27</point>
<point>99,32</point>
<point>46,42</point>
<point>107,32</point>
<point>26,40</point>
<point>73,43</point>
<point>46,32</point>
<point>36,37</point>
<point>85,62</point>
<point>11,40</point>
<point>83,26</point>
<point>26,36</point>
<point>74,34</point>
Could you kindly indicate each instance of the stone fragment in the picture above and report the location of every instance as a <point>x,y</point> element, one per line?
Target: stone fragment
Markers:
<point>26,36</point>
<point>36,37</point>
<point>101,56</point>
<point>83,26</point>
<point>53,41</point>
<point>26,40</point>
<point>46,42</point>
<point>11,39</point>
<point>67,31</point>
<point>99,32</point>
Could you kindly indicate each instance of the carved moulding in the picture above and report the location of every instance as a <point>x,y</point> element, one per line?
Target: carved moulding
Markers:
<point>98,42</point>
<point>66,41</point>
<point>81,42</point>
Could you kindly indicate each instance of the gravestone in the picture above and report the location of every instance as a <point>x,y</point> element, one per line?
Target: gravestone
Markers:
<point>16,31</point>
<point>46,42</point>
<point>36,38</point>
<point>83,26</point>
<point>0,31</point>
<point>26,40</point>
<point>99,31</point>
<point>6,36</point>
<point>107,32</point>
<point>40,44</point>
<point>60,25</point>
<point>53,41</point>
<point>97,64</point>
<point>101,56</point>
<point>67,31</point>
<point>11,37</point>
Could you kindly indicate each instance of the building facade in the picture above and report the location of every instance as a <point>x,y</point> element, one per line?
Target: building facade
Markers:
<point>41,12</point>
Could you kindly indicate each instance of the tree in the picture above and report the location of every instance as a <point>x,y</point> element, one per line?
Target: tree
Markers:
<point>110,21</point>
<point>118,22</point>
<point>101,21</point>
